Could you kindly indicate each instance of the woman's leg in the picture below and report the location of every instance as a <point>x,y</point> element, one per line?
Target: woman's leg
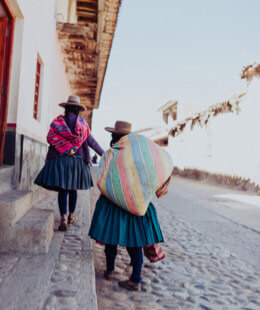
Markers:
<point>136,255</point>
<point>111,252</point>
<point>72,200</point>
<point>62,200</point>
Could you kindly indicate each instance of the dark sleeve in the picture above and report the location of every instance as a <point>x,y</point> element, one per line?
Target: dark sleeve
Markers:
<point>94,145</point>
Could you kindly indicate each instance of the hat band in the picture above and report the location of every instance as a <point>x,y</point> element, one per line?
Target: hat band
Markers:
<point>73,102</point>
<point>121,130</point>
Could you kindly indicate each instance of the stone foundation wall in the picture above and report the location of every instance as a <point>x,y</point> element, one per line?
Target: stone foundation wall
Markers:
<point>28,157</point>
<point>31,156</point>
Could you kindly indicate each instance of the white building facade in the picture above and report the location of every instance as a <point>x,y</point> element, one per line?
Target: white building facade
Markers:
<point>48,50</point>
<point>37,83</point>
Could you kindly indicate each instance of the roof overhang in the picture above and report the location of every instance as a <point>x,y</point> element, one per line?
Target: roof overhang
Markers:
<point>169,108</point>
<point>170,105</point>
<point>86,46</point>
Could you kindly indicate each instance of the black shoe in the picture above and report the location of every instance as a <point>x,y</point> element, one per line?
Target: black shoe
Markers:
<point>63,225</point>
<point>129,285</point>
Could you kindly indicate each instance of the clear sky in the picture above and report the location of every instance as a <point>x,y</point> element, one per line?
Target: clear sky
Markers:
<point>190,50</point>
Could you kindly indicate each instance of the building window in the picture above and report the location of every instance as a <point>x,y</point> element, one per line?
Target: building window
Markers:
<point>37,89</point>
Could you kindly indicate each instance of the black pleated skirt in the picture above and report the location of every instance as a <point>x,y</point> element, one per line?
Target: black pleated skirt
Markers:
<point>65,172</point>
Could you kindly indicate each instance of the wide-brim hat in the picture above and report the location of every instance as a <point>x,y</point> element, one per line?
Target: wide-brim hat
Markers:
<point>74,101</point>
<point>121,128</point>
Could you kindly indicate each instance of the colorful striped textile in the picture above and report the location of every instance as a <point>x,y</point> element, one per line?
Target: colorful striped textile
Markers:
<point>132,171</point>
<point>61,138</point>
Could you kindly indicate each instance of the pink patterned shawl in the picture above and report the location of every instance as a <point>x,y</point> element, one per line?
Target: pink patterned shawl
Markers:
<point>61,138</point>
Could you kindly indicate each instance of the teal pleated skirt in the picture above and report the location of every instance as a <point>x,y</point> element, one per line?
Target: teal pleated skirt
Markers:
<point>113,225</point>
<point>65,172</point>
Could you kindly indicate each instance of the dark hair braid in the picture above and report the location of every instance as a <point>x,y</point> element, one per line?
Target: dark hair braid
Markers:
<point>115,138</point>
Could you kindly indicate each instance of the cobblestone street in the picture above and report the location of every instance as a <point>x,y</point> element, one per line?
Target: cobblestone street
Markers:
<point>70,278</point>
<point>133,123</point>
<point>196,274</point>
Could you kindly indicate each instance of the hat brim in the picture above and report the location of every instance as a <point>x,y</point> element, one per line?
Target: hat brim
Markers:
<point>113,130</point>
<point>80,106</point>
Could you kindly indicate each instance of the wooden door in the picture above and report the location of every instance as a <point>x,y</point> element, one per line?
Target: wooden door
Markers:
<point>6,27</point>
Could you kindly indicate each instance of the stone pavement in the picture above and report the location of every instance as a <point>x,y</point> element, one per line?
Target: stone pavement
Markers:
<point>7,262</point>
<point>196,274</point>
<point>62,279</point>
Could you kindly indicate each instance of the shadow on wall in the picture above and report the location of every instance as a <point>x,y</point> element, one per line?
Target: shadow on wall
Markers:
<point>233,182</point>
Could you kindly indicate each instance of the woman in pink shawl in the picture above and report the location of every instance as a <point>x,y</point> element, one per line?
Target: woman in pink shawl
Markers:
<point>67,165</point>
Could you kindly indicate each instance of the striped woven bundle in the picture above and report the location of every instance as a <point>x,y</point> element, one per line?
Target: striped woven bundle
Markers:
<point>132,171</point>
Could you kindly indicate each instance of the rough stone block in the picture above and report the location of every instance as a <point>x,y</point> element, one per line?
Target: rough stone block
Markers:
<point>6,173</point>
<point>34,231</point>
<point>13,205</point>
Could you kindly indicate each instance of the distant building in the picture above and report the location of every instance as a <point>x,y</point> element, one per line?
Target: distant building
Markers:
<point>169,110</point>
<point>221,143</point>
<point>160,133</point>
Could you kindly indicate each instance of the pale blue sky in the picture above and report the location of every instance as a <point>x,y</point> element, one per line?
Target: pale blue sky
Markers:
<point>191,50</point>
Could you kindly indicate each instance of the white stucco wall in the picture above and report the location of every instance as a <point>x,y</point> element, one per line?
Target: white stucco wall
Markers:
<point>228,145</point>
<point>62,10</point>
<point>35,34</point>
<point>60,89</point>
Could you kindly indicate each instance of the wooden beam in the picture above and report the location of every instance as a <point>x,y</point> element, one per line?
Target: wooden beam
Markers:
<point>83,20</point>
<point>71,50</point>
<point>81,88</point>
<point>86,91</point>
<point>87,54</point>
<point>85,72</point>
<point>85,94</point>
<point>75,77</point>
<point>87,8</point>
<point>89,96</point>
<point>83,83</point>
<point>86,14</point>
<point>86,101</point>
<point>81,57</point>
<point>88,1</point>
<point>78,63</point>
<point>86,88</point>
<point>88,106</point>
<point>73,28</point>
<point>79,39</point>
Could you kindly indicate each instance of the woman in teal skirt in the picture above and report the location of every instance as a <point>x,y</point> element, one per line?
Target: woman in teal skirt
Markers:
<point>114,226</point>
<point>67,165</point>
